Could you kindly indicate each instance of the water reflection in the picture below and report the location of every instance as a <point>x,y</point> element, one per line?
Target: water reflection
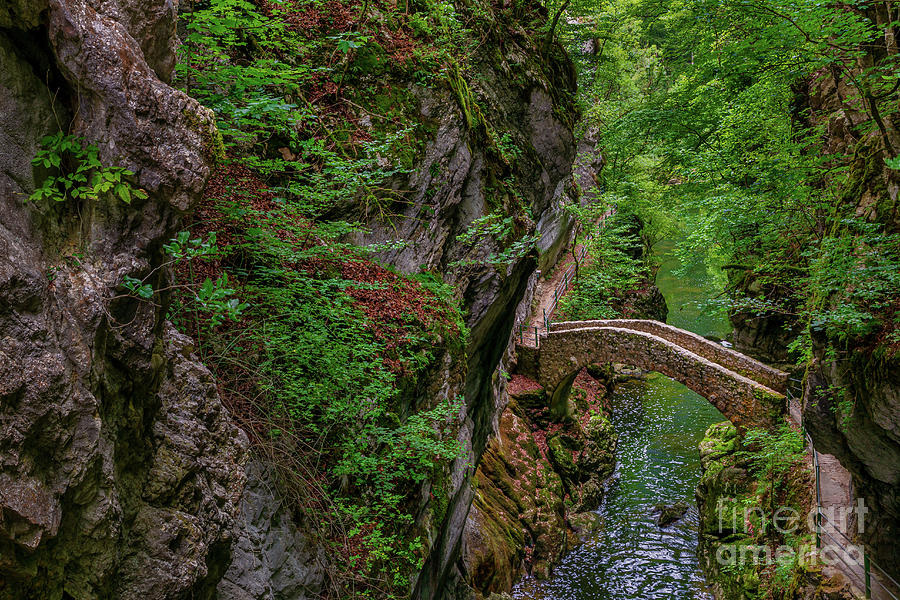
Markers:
<point>691,293</point>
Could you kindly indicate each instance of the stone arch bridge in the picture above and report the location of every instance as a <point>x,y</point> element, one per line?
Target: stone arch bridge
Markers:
<point>749,393</point>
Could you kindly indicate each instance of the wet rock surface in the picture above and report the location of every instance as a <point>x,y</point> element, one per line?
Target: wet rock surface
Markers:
<point>669,513</point>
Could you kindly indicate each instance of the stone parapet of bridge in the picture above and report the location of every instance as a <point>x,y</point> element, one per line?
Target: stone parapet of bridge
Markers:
<point>735,361</point>
<point>735,384</point>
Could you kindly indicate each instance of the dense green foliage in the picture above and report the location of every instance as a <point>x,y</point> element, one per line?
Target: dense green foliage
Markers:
<point>327,363</point>
<point>707,124</point>
<point>611,274</point>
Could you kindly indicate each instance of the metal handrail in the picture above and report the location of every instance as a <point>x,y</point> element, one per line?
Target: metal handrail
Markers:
<point>849,566</point>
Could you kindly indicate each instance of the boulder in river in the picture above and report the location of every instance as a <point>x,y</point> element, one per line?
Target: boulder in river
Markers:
<point>669,513</point>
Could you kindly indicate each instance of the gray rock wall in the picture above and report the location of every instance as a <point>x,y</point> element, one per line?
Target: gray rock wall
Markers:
<point>120,472</point>
<point>271,557</point>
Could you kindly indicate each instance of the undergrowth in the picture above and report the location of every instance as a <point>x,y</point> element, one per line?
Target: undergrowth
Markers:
<point>613,273</point>
<point>328,365</point>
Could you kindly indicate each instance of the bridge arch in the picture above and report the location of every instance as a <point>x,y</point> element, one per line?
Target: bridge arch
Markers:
<point>654,346</point>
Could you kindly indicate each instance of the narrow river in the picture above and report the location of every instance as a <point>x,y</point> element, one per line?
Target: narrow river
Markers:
<point>660,423</point>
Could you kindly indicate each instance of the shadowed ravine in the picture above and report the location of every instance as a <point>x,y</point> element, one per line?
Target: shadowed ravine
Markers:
<point>660,423</point>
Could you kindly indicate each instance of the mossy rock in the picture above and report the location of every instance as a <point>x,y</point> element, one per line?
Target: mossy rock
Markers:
<point>670,513</point>
<point>598,457</point>
<point>599,429</point>
<point>601,372</point>
<point>531,399</point>
<point>721,495</point>
<point>583,524</point>
<point>579,398</point>
<point>722,431</point>
<point>719,441</point>
<point>562,460</point>
<point>590,493</point>
<point>571,441</point>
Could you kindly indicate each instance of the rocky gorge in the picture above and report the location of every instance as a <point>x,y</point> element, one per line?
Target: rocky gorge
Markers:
<point>148,470</point>
<point>264,272</point>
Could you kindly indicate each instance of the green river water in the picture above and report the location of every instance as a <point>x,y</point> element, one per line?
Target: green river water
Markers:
<point>660,423</point>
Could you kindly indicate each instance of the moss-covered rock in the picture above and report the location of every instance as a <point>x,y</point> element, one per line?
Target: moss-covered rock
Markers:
<point>562,459</point>
<point>669,513</point>
<point>535,484</point>
<point>718,441</point>
<point>598,456</point>
<point>535,399</point>
<point>722,494</point>
<point>736,533</point>
<point>517,521</point>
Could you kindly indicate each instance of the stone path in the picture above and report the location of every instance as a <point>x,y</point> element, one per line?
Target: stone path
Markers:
<point>546,287</point>
<point>836,499</point>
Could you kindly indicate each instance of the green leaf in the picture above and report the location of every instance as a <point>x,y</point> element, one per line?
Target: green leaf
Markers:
<point>124,193</point>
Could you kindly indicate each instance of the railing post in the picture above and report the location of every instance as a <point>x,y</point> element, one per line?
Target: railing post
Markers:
<point>818,529</point>
<point>818,503</point>
<point>537,339</point>
<point>868,576</point>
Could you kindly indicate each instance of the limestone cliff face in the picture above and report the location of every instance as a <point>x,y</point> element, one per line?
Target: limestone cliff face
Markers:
<point>528,93</point>
<point>120,472</point>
